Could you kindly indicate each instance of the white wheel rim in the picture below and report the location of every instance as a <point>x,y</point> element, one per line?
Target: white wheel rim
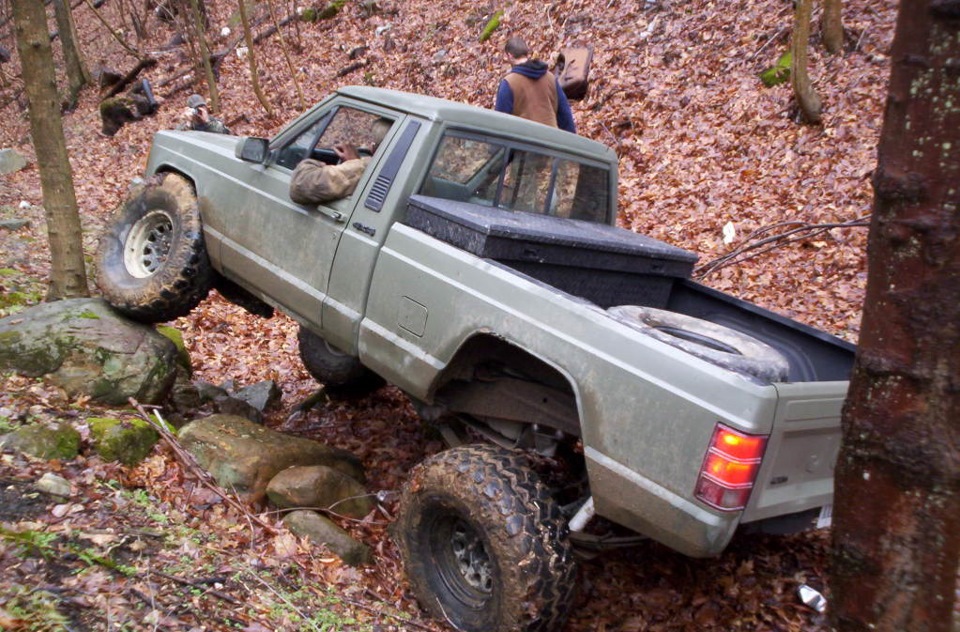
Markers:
<point>148,244</point>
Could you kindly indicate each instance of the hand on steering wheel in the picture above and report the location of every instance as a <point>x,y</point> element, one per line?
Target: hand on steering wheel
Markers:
<point>345,152</point>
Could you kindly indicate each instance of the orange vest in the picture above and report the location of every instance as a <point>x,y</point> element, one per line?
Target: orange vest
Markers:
<point>534,99</point>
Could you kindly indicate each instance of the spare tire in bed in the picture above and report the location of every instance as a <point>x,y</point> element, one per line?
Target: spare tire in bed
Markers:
<point>718,344</point>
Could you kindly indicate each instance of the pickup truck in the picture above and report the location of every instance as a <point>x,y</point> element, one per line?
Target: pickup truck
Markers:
<point>586,386</point>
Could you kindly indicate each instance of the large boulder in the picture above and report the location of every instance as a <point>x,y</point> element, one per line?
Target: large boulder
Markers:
<point>10,161</point>
<point>87,348</point>
<point>243,456</point>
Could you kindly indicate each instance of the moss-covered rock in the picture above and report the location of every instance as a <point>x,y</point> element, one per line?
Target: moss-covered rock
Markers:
<point>127,441</point>
<point>86,348</point>
<point>243,456</point>
<point>57,440</point>
<point>176,337</point>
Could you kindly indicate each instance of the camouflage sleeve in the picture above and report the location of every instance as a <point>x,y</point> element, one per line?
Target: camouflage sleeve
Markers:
<point>216,125</point>
<point>314,181</point>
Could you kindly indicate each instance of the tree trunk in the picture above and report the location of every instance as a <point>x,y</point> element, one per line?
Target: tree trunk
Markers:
<point>286,55</point>
<point>252,58</point>
<point>807,97</point>
<point>68,275</point>
<point>199,27</point>
<point>896,536</point>
<point>77,73</point>
<point>832,26</point>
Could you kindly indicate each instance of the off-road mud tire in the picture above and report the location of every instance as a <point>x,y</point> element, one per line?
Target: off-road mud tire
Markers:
<point>720,345</point>
<point>341,373</point>
<point>483,543</point>
<point>151,263</point>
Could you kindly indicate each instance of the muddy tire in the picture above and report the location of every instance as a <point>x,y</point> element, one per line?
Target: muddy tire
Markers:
<point>720,345</point>
<point>151,263</point>
<point>335,369</point>
<point>483,543</point>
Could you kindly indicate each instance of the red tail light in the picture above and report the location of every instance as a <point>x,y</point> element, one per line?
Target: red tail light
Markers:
<point>730,468</point>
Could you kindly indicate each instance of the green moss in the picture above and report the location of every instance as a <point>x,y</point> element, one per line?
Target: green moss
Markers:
<point>492,25</point>
<point>127,441</point>
<point>174,334</point>
<point>30,362</point>
<point>107,106</point>
<point>331,9</point>
<point>45,441</point>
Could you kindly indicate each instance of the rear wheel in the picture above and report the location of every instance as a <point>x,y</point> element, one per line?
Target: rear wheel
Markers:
<point>151,262</point>
<point>483,543</point>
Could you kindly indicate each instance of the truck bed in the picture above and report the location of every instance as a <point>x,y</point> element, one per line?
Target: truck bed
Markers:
<point>609,266</point>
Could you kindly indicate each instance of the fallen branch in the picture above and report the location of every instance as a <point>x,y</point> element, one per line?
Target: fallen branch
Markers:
<point>303,617</point>
<point>117,88</point>
<point>380,613</point>
<point>190,463</point>
<point>802,232</point>
<point>357,65</point>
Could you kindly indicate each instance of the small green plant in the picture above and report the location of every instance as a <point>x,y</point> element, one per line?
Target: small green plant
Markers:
<point>35,609</point>
<point>31,541</point>
<point>48,545</point>
<point>142,498</point>
<point>7,425</point>
<point>779,72</point>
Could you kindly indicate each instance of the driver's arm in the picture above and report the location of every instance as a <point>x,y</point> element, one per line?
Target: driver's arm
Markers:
<point>314,181</point>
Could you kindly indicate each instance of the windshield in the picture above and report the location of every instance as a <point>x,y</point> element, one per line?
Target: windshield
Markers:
<point>495,173</point>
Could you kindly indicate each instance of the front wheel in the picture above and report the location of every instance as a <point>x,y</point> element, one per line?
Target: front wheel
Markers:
<point>340,372</point>
<point>483,543</point>
<point>151,262</point>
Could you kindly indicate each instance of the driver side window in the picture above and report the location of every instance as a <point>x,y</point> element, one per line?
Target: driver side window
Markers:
<point>345,125</point>
<point>302,145</point>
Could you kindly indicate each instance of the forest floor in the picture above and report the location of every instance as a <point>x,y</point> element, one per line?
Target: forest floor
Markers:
<point>710,160</point>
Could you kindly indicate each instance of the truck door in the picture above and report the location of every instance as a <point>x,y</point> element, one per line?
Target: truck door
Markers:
<point>283,249</point>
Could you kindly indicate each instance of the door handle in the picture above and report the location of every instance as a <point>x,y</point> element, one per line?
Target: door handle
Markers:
<point>335,215</point>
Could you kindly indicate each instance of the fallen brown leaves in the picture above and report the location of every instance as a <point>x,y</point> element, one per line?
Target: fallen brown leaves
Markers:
<point>702,145</point>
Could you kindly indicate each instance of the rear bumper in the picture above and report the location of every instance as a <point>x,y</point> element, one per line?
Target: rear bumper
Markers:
<point>627,498</point>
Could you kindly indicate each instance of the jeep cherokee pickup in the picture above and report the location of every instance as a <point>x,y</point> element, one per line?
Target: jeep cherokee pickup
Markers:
<point>573,366</point>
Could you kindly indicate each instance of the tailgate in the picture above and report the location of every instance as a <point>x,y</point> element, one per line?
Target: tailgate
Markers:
<point>798,465</point>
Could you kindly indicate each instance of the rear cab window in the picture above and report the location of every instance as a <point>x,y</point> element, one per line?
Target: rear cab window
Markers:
<point>513,176</point>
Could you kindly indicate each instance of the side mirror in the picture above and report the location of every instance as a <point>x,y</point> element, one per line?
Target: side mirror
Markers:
<point>252,149</point>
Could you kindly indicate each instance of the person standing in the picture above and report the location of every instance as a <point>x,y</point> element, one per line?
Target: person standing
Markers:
<point>531,91</point>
